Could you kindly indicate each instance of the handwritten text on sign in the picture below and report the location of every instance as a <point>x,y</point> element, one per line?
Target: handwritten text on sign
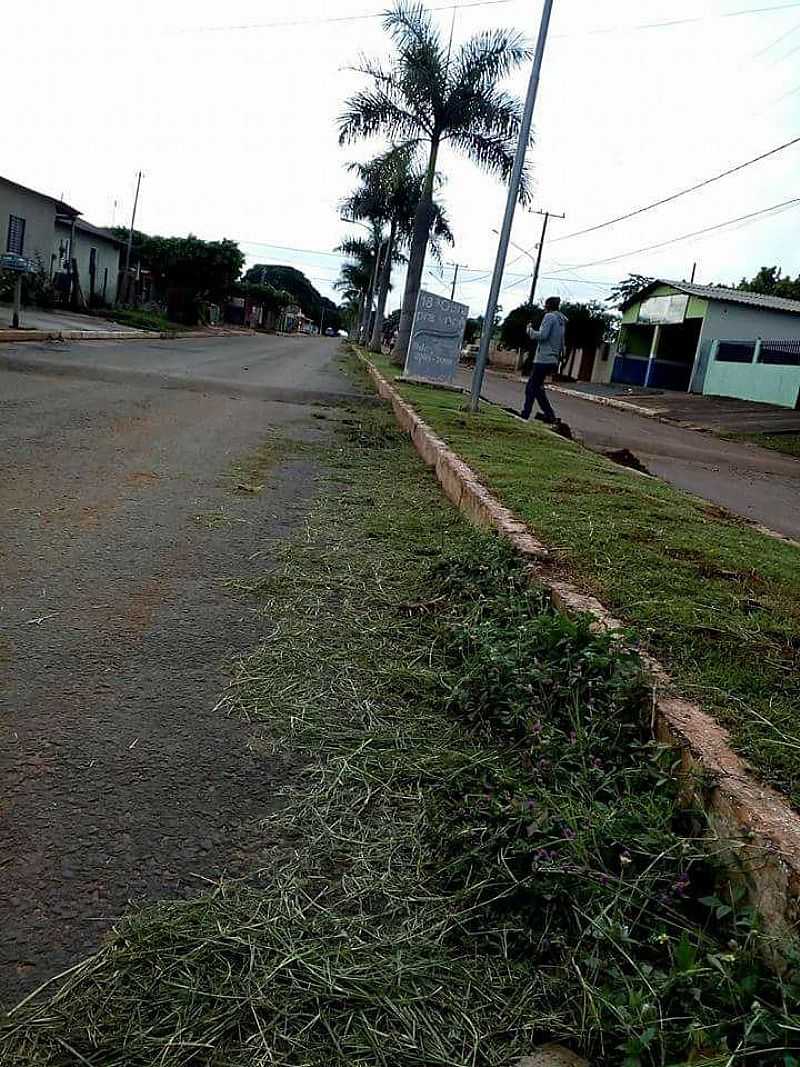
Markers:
<point>436,338</point>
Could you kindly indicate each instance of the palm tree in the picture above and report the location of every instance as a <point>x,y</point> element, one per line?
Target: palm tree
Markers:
<point>428,97</point>
<point>367,254</point>
<point>390,191</point>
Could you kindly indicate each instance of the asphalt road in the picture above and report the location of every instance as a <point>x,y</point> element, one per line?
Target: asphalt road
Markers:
<point>119,780</point>
<point>285,369</point>
<point>756,483</point>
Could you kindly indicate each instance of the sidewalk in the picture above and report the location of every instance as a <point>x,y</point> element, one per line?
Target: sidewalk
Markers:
<point>58,321</point>
<point>718,414</point>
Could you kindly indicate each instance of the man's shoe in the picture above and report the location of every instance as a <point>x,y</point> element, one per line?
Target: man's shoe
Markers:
<point>540,417</point>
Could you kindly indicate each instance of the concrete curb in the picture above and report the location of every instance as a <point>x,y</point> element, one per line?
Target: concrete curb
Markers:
<point>612,402</point>
<point>15,336</point>
<point>759,830</point>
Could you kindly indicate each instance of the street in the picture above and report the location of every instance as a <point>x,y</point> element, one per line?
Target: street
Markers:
<point>120,524</point>
<point>760,485</point>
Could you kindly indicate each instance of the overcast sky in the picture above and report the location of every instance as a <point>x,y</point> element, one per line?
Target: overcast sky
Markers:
<point>230,110</point>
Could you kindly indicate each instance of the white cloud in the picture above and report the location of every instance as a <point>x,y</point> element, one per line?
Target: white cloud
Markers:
<point>236,129</point>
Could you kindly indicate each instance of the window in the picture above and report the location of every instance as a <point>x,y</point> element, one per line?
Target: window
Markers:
<point>16,235</point>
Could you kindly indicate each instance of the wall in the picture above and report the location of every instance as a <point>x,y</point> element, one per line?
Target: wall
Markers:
<point>108,257</point>
<point>737,322</point>
<point>39,213</point>
<point>766,383</point>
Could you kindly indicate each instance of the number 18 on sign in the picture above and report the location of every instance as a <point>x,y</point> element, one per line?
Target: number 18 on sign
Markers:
<point>436,338</point>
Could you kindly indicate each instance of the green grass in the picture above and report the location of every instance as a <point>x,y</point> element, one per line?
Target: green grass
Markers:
<point>716,601</point>
<point>141,319</point>
<point>480,853</point>
<point>788,443</point>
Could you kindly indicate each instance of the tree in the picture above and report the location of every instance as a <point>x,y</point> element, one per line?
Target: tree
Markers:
<point>189,264</point>
<point>389,193</point>
<point>588,325</point>
<point>428,97</point>
<point>472,331</point>
<point>628,288</point>
<point>303,293</point>
<point>771,281</point>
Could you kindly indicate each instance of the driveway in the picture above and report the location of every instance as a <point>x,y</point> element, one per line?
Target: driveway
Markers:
<point>119,780</point>
<point>760,485</point>
<point>58,321</point>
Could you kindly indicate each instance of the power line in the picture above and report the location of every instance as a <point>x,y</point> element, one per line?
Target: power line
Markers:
<point>771,45</point>
<point>371,15</point>
<point>668,23</point>
<point>326,19</point>
<point>687,236</point>
<point>676,196</point>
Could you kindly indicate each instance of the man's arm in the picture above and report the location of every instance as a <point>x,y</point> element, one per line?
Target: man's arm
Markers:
<point>542,334</point>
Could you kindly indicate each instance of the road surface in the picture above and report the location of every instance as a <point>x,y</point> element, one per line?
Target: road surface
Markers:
<point>118,779</point>
<point>756,483</point>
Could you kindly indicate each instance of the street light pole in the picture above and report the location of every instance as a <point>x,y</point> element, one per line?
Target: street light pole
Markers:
<point>511,204</point>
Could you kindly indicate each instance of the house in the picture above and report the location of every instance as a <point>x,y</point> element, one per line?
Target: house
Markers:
<point>51,235</point>
<point>674,335</point>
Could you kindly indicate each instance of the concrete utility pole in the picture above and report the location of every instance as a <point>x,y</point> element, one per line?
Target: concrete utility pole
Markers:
<point>511,204</point>
<point>547,216</point>
<point>123,287</point>
<point>457,267</point>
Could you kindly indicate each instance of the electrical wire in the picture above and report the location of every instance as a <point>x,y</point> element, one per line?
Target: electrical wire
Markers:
<point>686,236</point>
<point>676,196</point>
<point>370,15</point>
<point>326,19</point>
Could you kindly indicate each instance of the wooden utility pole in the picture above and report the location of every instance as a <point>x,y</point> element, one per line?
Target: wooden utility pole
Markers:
<point>457,267</point>
<point>124,282</point>
<point>547,216</point>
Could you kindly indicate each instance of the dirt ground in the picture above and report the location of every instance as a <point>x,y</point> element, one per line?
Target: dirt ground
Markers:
<point>118,779</point>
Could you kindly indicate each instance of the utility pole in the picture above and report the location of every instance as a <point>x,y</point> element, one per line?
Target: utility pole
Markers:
<point>455,279</point>
<point>511,204</point>
<point>547,216</point>
<point>123,287</point>
<point>694,271</point>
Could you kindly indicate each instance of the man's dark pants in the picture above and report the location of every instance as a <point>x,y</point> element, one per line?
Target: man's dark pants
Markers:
<point>534,391</point>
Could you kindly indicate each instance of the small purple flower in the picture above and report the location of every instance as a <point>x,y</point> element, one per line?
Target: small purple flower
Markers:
<point>568,833</point>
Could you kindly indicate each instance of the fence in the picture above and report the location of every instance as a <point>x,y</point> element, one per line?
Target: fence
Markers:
<point>763,370</point>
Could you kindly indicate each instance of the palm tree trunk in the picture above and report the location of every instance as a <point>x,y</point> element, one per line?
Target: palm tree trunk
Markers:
<point>383,292</point>
<point>423,220</point>
<point>363,331</point>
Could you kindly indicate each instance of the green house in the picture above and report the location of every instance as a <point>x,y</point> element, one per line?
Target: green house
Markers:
<point>709,339</point>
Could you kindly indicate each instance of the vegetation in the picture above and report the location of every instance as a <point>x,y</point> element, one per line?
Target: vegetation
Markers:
<point>430,96</point>
<point>788,443</point>
<point>292,281</point>
<point>142,319</point>
<point>588,325</point>
<point>628,288</point>
<point>481,852</point>
<point>771,281</point>
<point>389,192</point>
<point>714,599</point>
<point>186,270</point>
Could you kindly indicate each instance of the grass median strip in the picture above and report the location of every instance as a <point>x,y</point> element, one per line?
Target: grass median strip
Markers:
<point>788,443</point>
<point>482,853</point>
<point>716,601</point>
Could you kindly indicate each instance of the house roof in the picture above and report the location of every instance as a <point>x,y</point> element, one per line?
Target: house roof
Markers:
<point>61,207</point>
<point>87,227</point>
<point>723,294</point>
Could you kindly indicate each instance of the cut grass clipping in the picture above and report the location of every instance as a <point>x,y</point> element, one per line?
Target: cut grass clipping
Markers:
<point>482,854</point>
<point>715,600</point>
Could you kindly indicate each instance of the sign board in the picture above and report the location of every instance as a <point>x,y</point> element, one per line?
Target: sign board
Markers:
<point>664,310</point>
<point>436,338</point>
<point>11,261</point>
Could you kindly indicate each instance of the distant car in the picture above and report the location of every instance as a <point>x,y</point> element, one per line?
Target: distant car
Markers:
<point>330,332</point>
<point>343,333</point>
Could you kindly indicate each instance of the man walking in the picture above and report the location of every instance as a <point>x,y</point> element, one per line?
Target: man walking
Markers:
<point>549,348</point>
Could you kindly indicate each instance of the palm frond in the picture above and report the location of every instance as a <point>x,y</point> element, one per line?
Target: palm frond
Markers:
<point>488,57</point>
<point>493,154</point>
<point>372,112</point>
